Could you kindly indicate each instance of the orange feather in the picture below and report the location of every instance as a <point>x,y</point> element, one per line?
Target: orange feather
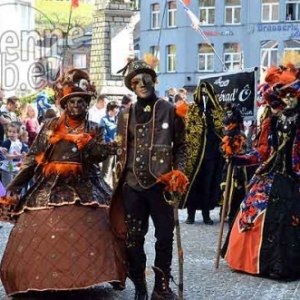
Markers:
<point>182,109</point>
<point>175,181</point>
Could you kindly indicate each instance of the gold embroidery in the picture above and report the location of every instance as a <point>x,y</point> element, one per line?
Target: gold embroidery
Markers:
<point>195,127</point>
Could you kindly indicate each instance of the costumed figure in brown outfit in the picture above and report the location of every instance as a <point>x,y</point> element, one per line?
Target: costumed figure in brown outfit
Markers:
<point>151,139</point>
<point>204,123</point>
<point>62,238</point>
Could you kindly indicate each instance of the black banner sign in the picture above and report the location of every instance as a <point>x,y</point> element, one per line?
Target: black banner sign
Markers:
<point>238,88</point>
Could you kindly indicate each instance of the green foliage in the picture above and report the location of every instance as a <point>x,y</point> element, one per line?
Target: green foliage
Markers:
<point>31,98</point>
<point>54,15</point>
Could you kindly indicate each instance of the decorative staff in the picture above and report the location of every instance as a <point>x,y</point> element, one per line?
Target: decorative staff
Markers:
<point>178,186</point>
<point>231,144</point>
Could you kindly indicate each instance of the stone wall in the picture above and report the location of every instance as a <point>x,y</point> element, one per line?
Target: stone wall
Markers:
<point>109,14</point>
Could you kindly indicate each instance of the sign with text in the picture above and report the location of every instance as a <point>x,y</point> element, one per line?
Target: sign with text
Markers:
<point>238,88</point>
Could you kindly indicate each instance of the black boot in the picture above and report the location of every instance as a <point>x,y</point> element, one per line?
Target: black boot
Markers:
<point>161,289</point>
<point>141,292</point>
<point>206,218</point>
<point>191,216</point>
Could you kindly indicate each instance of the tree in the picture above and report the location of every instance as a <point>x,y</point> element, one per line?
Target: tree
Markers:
<point>54,15</point>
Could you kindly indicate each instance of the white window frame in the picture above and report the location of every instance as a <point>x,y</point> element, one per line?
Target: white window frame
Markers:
<point>231,59</point>
<point>155,16</point>
<point>270,5</point>
<point>206,57</point>
<point>268,52</point>
<point>233,8</point>
<point>171,59</point>
<point>80,60</point>
<point>295,16</point>
<point>206,10</point>
<point>172,15</point>
<point>295,50</point>
<point>154,50</point>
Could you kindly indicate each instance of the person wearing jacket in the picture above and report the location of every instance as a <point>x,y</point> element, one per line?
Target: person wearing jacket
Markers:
<point>151,156</point>
<point>109,123</point>
<point>204,122</point>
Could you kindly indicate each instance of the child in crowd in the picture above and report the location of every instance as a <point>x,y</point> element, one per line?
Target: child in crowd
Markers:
<point>32,124</point>
<point>16,151</point>
<point>24,138</point>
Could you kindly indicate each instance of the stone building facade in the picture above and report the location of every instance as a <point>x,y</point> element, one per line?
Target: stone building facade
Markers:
<point>112,44</point>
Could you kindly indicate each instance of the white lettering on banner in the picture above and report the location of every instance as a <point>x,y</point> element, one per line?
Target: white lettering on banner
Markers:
<point>246,112</point>
<point>221,83</point>
<point>228,97</point>
<point>245,93</point>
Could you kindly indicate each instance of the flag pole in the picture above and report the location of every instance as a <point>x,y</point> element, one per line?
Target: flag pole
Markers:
<point>196,26</point>
<point>65,45</point>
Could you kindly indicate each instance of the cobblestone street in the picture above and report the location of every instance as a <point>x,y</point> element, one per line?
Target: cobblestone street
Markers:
<point>201,279</point>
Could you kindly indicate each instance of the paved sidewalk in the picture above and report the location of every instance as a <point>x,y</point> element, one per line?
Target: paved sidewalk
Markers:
<point>201,280</point>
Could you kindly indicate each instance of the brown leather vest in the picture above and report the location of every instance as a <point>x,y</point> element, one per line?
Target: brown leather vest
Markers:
<point>149,154</point>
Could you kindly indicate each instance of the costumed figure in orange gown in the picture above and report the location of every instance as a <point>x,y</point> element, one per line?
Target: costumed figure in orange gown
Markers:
<point>264,239</point>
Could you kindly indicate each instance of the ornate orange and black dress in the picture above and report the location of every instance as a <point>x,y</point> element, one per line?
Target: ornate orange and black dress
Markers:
<point>265,236</point>
<point>62,238</point>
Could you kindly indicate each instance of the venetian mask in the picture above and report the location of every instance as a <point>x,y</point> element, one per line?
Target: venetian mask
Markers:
<point>76,107</point>
<point>143,85</point>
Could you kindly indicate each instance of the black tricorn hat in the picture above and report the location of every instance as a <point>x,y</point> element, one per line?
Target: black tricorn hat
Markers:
<point>136,66</point>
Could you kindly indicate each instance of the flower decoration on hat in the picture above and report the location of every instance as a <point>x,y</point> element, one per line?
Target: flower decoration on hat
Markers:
<point>75,83</point>
<point>280,82</point>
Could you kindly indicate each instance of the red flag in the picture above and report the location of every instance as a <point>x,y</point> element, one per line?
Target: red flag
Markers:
<point>74,3</point>
<point>187,2</point>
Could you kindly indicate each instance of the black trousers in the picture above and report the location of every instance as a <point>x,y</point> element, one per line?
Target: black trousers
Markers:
<point>138,207</point>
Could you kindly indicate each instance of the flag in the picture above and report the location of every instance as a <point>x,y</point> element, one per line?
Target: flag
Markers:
<point>195,21</point>
<point>74,3</point>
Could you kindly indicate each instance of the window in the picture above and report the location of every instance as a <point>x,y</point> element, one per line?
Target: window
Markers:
<point>135,4</point>
<point>270,10</point>
<point>233,12</point>
<point>154,50</point>
<point>291,52</point>
<point>207,12</point>
<point>171,58</point>
<point>205,58</point>
<point>155,16</point>
<point>293,10</point>
<point>268,54</point>
<point>172,13</point>
<point>79,61</point>
<point>232,56</point>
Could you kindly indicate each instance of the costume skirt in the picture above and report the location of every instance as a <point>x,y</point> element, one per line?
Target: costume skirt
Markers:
<point>270,245</point>
<point>65,248</point>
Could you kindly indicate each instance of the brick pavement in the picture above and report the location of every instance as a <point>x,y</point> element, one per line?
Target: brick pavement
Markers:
<point>201,280</point>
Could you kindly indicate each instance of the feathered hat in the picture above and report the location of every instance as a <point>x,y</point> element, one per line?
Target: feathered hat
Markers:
<point>136,66</point>
<point>75,83</point>
<point>279,82</point>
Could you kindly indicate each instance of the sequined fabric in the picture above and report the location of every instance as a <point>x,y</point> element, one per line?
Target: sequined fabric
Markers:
<point>61,249</point>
